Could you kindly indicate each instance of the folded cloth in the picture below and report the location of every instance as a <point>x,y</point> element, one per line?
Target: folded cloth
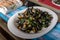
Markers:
<point>54,34</point>
<point>3,17</point>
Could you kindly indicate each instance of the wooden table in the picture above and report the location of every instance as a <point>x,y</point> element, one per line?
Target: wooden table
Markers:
<point>8,34</point>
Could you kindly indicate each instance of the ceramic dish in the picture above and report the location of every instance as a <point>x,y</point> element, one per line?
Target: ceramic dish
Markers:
<point>55,3</point>
<point>10,5</point>
<point>21,34</point>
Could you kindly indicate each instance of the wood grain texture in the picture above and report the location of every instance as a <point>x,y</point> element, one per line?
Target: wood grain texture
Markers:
<point>2,37</point>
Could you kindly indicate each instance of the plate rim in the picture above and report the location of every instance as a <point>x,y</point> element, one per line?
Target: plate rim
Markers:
<point>55,3</point>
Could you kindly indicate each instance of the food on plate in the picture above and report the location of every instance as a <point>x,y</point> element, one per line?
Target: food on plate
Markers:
<point>57,1</point>
<point>33,20</point>
<point>12,4</point>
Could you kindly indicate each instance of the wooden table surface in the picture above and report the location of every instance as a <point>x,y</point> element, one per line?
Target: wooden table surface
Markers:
<point>3,25</point>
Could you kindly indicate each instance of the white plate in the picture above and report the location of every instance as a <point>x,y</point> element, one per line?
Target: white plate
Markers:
<point>5,10</point>
<point>21,34</point>
<point>55,3</point>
